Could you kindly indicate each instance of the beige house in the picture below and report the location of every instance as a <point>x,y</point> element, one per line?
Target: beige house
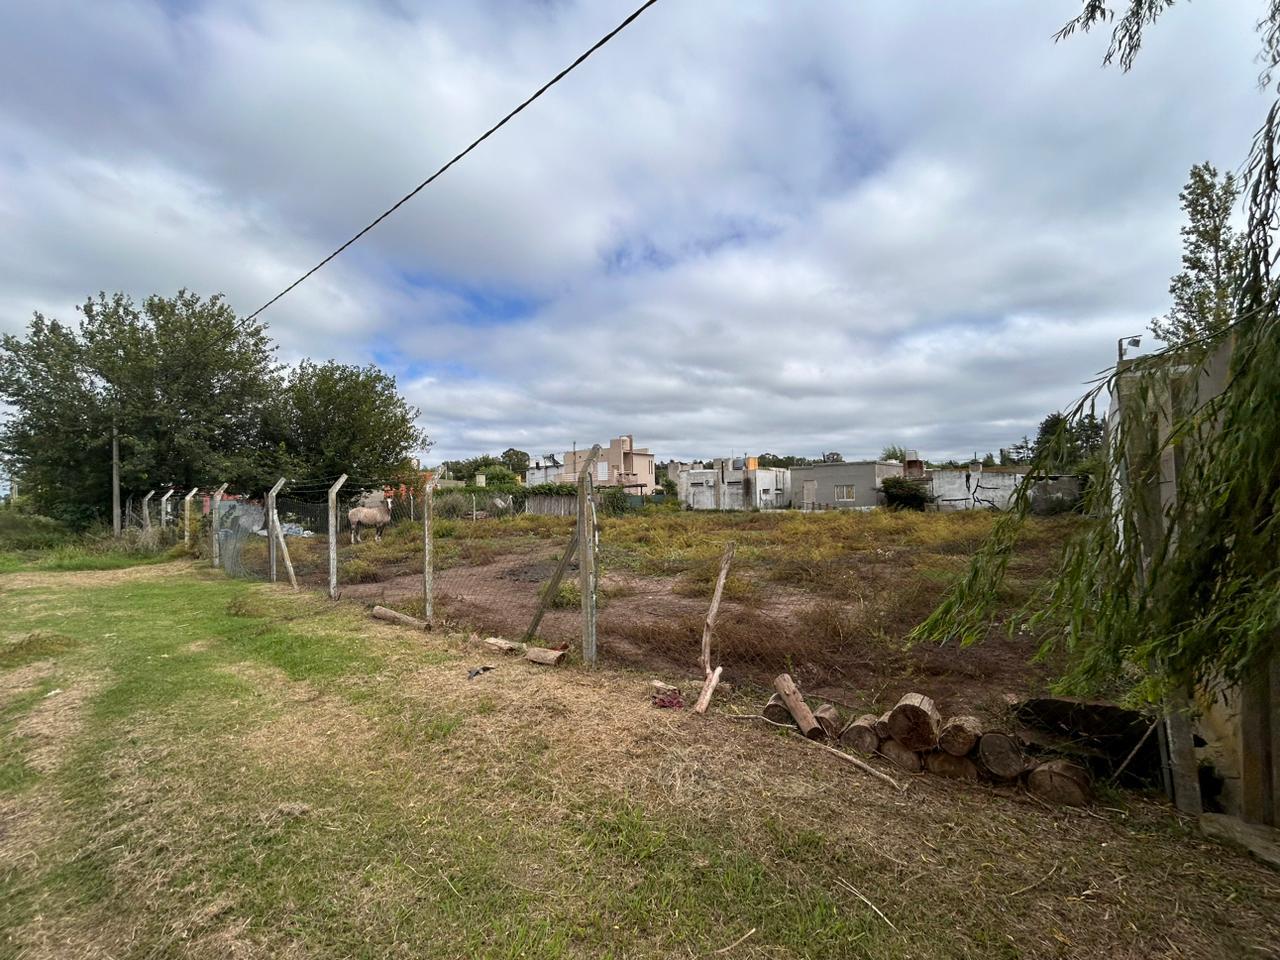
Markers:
<point>621,464</point>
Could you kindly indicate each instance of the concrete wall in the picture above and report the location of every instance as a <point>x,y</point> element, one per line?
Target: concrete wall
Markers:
<point>722,486</point>
<point>814,487</point>
<point>960,489</point>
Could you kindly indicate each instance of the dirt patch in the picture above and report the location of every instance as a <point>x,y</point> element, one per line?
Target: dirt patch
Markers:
<point>54,722</point>
<point>23,679</point>
<point>97,578</point>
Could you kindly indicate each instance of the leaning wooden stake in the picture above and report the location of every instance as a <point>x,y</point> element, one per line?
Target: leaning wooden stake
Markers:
<point>284,553</point>
<point>800,711</point>
<point>553,585</point>
<point>708,688</point>
<point>710,624</point>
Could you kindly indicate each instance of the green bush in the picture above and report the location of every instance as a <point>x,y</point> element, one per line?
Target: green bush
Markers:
<point>359,571</point>
<point>614,502</point>
<point>901,493</point>
<point>30,531</point>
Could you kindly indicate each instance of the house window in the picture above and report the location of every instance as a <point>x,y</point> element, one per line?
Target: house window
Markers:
<point>846,492</point>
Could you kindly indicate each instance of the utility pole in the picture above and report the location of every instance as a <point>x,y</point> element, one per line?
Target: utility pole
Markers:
<point>115,479</point>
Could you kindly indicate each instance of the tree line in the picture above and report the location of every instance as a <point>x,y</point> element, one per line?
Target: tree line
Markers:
<point>194,396</point>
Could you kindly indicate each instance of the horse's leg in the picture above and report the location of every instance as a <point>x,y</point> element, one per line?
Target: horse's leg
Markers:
<point>377,533</point>
<point>355,532</point>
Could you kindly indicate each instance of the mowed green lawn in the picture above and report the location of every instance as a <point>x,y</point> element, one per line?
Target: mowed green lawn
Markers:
<point>197,767</point>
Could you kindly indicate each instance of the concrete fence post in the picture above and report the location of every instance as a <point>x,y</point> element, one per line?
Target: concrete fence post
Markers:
<point>214,510</point>
<point>164,508</point>
<point>333,536</point>
<point>428,508</point>
<point>146,512</point>
<point>272,524</point>
<point>186,515</point>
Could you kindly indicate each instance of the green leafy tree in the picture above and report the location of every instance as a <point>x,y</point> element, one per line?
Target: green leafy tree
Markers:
<point>894,452</point>
<point>1204,292</point>
<point>186,385</point>
<point>517,461</point>
<point>347,419</point>
<point>989,460</point>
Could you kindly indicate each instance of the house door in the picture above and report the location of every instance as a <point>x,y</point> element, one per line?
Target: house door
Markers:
<point>810,494</point>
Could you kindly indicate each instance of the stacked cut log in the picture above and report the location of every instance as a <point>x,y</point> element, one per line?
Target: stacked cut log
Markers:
<point>913,736</point>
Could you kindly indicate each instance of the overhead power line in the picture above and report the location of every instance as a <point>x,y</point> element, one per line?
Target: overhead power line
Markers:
<point>475,143</point>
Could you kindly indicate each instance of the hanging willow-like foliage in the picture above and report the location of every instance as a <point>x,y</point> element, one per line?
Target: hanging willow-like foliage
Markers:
<point>1181,586</point>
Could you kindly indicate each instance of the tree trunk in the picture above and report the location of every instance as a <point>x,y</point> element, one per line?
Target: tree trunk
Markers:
<point>914,722</point>
<point>1001,756</point>
<point>1061,781</point>
<point>776,710</point>
<point>959,735</point>
<point>799,710</point>
<point>900,756</point>
<point>544,656</point>
<point>945,764</point>
<point>861,735</point>
<point>829,719</point>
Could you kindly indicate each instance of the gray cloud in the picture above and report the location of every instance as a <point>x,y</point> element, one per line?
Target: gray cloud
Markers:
<point>743,227</point>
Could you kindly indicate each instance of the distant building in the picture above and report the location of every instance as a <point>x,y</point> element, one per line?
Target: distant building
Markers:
<point>621,464</point>
<point>841,486</point>
<point>733,484</point>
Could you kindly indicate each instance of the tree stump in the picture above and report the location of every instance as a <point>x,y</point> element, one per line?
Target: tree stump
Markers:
<point>798,709</point>
<point>914,722</point>
<point>1001,756</point>
<point>945,764</point>
<point>776,710</point>
<point>900,756</point>
<point>829,718</point>
<point>882,725</point>
<point>861,735</point>
<point>959,735</point>
<point>1061,781</point>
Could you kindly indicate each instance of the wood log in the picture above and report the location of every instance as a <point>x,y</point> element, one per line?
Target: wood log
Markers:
<point>943,764</point>
<point>503,646</point>
<point>959,735</point>
<point>796,706</point>
<point>900,756</point>
<point>914,722</point>
<point>544,656</point>
<point>1001,756</point>
<point>776,710</point>
<point>708,688</point>
<point>395,616</point>
<point>658,688</point>
<point>861,735</point>
<point>882,725</point>
<point>829,719</point>
<point>1061,781</point>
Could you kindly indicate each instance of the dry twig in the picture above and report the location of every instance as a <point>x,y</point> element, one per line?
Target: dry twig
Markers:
<point>741,939</point>
<point>854,890</point>
<point>864,767</point>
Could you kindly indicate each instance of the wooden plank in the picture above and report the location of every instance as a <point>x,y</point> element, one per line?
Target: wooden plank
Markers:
<point>544,656</point>
<point>549,591</point>
<point>333,536</point>
<point>710,623</point>
<point>708,688</point>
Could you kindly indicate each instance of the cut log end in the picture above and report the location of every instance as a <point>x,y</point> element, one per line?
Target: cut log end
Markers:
<point>901,756</point>
<point>1061,781</point>
<point>882,725</point>
<point>943,764</point>
<point>915,722</point>
<point>959,735</point>
<point>861,735</point>
<point>1001,756</point>
<point>829,719</point>
<point>776,710</point>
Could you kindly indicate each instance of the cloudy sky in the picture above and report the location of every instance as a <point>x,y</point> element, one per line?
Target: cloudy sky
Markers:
<point>743,226</point>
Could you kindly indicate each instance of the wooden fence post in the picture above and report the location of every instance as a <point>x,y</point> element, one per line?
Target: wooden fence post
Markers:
<point>587,568</point>
<point>333,536</point>
<point>213,524</point>
<point>272,523</point>
<point>428,557</point>
<point>146,512</point>
<point>186,515</point>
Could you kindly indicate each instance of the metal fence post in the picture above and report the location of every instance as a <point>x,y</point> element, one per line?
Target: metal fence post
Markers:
<point>146,512</point>
<point>164,507</point>
<point>186,515</point>
<point>333,536</point>
<point>428,505</point>
<point>213,523</point>
<point>271,529</point>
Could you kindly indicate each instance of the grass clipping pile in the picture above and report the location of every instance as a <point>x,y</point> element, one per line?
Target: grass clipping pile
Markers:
<point>914,737</point>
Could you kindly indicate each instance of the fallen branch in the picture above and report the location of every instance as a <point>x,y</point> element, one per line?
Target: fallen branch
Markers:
<point>708,688</point>
<point>864,767</point>
<point>1032,886</point>
<point>854,890</point>
<point>740,940</point>
<point>1134,752</point>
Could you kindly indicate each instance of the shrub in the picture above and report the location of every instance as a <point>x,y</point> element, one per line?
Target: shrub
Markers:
<point>30,531</point>
<point>359,571</point>
<point>901,493</point>
<point>614,502</point>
